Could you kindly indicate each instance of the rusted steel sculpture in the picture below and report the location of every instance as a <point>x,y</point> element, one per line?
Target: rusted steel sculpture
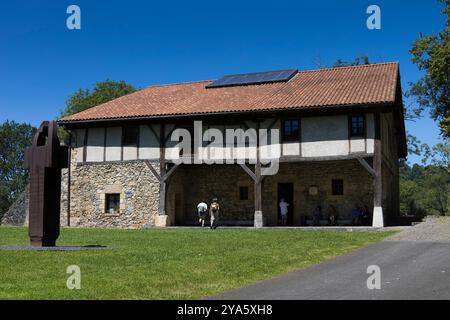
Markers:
<point>45,159</point>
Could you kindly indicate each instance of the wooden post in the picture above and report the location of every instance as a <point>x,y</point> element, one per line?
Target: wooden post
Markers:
<point>258,219</point>
<point>377,219</point>
<point>162,171</point>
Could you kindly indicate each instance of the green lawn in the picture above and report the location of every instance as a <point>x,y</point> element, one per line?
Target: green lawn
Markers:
<point>165,264</point>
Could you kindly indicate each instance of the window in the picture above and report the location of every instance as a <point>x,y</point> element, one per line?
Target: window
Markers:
<point>357,126</point>
<point>112,203</point>
<point>291,130</point>
<point>337,187</point>
<point>243,193</point>
<point>130,136</point>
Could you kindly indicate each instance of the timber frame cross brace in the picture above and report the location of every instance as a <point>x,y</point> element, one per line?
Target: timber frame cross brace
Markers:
<point>367,166</point>
<point>163,174</point>
<point>252,174</point>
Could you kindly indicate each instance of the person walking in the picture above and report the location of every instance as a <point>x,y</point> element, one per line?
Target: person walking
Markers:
<point>202,210</point>
<point>284,211</point>
<point>332,215</point>
<point>214,211</point>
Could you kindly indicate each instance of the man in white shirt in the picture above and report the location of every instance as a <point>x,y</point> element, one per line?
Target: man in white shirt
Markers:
<point>284,211</point>
<point>202,210</point>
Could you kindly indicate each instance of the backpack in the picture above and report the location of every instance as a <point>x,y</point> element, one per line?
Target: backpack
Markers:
<point>214,207</point>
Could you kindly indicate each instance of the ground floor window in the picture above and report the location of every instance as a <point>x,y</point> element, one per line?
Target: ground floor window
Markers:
<point>337,187</point>
<point>112,203</point>
<point>243,193</point>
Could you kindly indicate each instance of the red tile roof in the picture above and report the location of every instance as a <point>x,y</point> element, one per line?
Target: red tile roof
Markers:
<point>358,85</point>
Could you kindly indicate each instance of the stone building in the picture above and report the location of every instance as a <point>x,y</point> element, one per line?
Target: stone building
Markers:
<point>322,137</point>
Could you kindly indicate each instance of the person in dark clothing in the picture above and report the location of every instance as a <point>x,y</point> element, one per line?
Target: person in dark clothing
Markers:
<point>365,216</point>
<point>317,215</point>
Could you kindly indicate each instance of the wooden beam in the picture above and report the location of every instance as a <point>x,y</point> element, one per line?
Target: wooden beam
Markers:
<point>153,131</point>
<point>378,220</point>
<point>259,217</point>
<point>169,134</point>
<point>272,124</point>
<point>169,173</point>
<point>162,171</point>
<point>248,171</point>
<point>367,166</point>
<point>258,188</point>
<point>153,170</point>
<point>323,158</point>
<point>377,159</point>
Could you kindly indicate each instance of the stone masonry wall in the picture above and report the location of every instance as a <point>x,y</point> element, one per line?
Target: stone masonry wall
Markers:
<point>358,188</point>
<point>204,182</point>
<point>135,183</point>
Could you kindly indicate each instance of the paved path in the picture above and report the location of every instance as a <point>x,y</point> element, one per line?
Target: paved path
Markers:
<point>414,264</point>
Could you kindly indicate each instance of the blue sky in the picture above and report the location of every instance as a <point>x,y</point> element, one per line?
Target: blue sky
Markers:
<point>154,42</point>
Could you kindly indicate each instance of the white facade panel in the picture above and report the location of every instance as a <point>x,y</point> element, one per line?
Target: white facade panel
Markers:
<point>113,147</point>
<point>95,145</point>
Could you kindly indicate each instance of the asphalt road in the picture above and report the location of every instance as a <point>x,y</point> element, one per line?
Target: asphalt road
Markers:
<point>408,270</point>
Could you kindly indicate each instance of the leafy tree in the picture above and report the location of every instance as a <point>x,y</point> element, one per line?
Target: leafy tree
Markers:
<point>425,189</point>
<point>431,54</point>
<point>84,99</point>
<point>14,138</point>
<point>361,60</point>
<point>436,188</point>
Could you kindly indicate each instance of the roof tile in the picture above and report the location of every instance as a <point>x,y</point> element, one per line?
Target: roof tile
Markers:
<point>358,85</point>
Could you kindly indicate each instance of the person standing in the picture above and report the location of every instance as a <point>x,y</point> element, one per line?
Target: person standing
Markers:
<point>214,211</point>
<point>284,211</point>
<point>365,216</point>
<point>332,215</point>
<point>317,215</point>
<point>356,215</point>
<point>202,210</point>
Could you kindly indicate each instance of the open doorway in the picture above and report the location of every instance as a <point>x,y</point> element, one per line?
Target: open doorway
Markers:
<point>286,192</point>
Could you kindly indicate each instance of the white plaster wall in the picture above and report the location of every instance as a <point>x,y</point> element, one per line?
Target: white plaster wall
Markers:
<point>148,143</point>
<point>324,136</point>
<point>113,144</point>
<point>130,152</point>
<point>79,134</point>
<point>95,144</point>
<point>370,133</point>
<point>291,149</point>
<point>357,145</point>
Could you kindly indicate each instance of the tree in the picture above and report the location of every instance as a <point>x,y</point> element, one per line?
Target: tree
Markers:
<point>14,138</point>
<point>84,99</point>
<point>431,54</point>
<point>361,60</point>
<point>436,190</point>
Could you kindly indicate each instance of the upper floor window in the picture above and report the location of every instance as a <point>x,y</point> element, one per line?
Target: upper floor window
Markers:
<point>130,136</point>
<point>337,187</point>
<point>291,130</point>
<point>357,126</point>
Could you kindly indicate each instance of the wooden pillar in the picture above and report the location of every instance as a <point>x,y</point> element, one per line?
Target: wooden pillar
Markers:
<point>162,171</point>
<point>258,219</point>
<point>377,219</point>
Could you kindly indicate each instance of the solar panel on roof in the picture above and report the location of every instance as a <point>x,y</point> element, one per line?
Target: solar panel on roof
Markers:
<point>253,78</point>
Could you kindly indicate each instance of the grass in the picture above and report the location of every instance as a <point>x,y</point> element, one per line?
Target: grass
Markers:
<point>165,264</point>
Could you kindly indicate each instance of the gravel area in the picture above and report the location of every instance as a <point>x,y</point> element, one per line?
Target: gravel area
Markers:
<point>432,229</point>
